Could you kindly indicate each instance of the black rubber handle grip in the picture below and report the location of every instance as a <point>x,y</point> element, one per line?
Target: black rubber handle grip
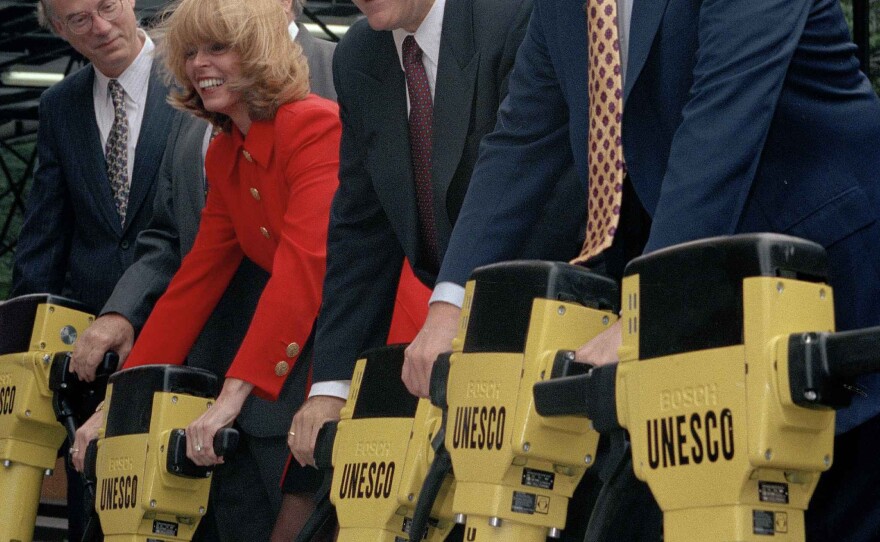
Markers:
<point>590,395</point>
<point>324,445</point>
<point>853,353</point>
<point>226,442</point>
<point>324,461</point>
<point>564,396</point>
<point>108,365</point>
<point>822,367</point>
<point>177,463</point>
<point>90,464</point>
<point>439,380</point>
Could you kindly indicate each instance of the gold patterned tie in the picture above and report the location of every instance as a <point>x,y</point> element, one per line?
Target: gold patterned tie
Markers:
<point>605,151</point>
<point>116,150</point>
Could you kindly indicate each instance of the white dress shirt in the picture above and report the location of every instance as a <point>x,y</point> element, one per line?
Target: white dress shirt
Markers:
<point>134,80</point>
<point>427,36</point>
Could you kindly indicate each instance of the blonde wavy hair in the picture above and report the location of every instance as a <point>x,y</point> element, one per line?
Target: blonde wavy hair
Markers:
<point>273,68</point>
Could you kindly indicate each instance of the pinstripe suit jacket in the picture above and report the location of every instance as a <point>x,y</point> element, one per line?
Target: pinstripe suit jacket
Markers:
<point>71,242</point>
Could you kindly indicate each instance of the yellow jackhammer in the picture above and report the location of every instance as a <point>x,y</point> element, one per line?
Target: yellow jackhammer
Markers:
<point>377,456</point>
<point>516,470</point>
<point>147,489</point>
<point>728,379</point>
<point>40,400</point>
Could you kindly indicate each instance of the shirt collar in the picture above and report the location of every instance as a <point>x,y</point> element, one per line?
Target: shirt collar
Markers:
<point>427,35</point>
<point>135,79</point>
<point>293,30</point>
<point>258,142</point>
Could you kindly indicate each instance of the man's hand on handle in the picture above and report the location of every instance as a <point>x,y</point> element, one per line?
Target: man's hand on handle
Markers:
<point>602,349</point>
<point>111,332</point>
<point>435,337</point>
<point>312,415</point>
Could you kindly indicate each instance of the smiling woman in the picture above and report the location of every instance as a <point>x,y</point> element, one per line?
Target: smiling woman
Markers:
<point>272,172</point>
<point>271,68</point>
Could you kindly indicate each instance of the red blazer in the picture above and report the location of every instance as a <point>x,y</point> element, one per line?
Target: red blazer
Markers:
<point>410,307</point>
<point>269,198</point>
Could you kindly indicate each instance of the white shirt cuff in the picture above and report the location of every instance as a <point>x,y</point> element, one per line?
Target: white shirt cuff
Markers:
<point>334,388</point>
<point>448,292</point>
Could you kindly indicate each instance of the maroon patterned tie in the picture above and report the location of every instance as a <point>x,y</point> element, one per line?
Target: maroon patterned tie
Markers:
<point>421,119</point>
<point>605,149</point>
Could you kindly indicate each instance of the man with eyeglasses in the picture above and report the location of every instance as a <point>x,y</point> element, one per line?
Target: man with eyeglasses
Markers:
<point>101,137</point>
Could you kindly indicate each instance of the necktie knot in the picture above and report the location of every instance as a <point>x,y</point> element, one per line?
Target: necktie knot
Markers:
<point>412,53</point>
<point>117,94</point>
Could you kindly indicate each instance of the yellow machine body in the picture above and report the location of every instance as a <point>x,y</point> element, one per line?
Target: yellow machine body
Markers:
<point>715,434</point>
<point>30,434</point>
<point>379,464</point>
<point>419,456</point>
<point>516,470</point>
<point>137,499</point>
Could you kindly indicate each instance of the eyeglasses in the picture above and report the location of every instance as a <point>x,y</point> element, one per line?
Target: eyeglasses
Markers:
<point>80,23</point>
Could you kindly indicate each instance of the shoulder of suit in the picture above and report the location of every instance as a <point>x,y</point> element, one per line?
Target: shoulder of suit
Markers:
<point>312,105</point>
<point>313,108</point>
<point>497,14</point>
<point>158,80</point>
<point>324,45</point>
<point>186,122</point>
<point>318,52</point>
<point>78,80</point>
<point>359,39</point>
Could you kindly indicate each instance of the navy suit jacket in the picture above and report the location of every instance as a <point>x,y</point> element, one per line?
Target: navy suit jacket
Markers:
<point>71,242</point>
<point>768,125</point>
<point>374,218</point>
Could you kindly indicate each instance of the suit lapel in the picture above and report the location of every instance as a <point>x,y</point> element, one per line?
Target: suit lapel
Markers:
<point>305,40</point>
<point>389,162</point>
<point>646,15</point>
<point>150,145</point>
<point>188,186</point>
<point>86,140</point>
<point>453,98</point>
<point>192,141</point>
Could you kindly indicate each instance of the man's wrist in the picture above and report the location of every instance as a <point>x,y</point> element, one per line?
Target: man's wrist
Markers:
<point>448,292</point>
<point>332,388</point>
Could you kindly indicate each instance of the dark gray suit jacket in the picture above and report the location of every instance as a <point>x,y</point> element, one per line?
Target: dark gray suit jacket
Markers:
<point>320,56</point>
<point>179,200</point>
<point>71,242</point>
<point>373,220</point>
